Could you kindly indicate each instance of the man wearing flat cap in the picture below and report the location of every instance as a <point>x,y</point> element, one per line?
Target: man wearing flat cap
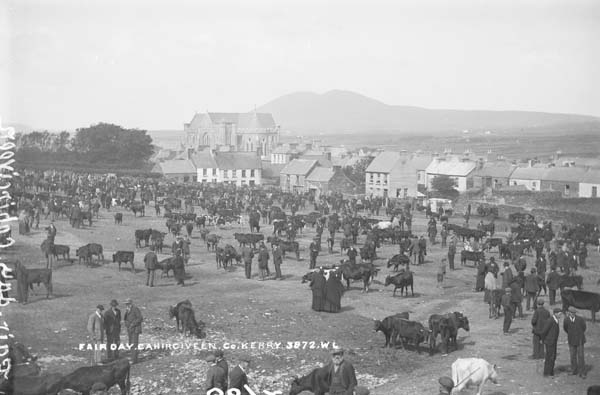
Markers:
<point>215,376</point>
<point>342,377</point>
<point>446,385</point>
<point>133,321</point>
<point>575,328</point>
<point>532,288</point>
<point>238,378</point>
<point>507,306</point>
<point>95,328</point>
<point>538,321</point>
<point>549,335</point>
<point>112,324</point>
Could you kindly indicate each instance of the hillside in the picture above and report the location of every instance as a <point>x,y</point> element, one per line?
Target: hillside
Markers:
<point>347,112</point>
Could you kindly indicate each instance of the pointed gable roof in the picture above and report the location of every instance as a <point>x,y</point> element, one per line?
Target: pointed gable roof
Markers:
<point>256,120</point>
<point>237,160</point>
<point>320,174</point>
<point>384,162</point>
<point>299,167</point>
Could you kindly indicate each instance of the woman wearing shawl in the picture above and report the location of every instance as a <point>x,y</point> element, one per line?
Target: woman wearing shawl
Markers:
<point>333,294</point>
<point>318,291</point>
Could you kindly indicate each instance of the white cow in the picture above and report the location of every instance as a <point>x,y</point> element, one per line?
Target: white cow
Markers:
<point>476,371</point>
<point>384,225</point>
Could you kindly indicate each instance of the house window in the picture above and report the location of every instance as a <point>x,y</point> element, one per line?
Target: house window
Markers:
<point>514,183</point>
<point>214,172</point>
<point>405,193</point>
<point>252,173</point>
<point>244,173</point>
<point>567,189</point>
<point>252,183</point>
<point>594,192</point>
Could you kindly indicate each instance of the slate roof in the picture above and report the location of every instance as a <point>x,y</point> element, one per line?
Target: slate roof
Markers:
<point>529,173</point>
<point>384,162</point>
<point>299,167</point>
<point>237,160</point>
<point>451,167</point>
<point>570,174</point>
<point>321,160</point>
<point>250,120</point>
<point>592,177</point>
<point>320,174</point>
<point>495,169</point>
<point>203,160</point>
<point>183,166</point>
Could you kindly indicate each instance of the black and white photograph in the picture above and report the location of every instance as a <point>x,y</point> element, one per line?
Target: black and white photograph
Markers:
<point>339,197</point>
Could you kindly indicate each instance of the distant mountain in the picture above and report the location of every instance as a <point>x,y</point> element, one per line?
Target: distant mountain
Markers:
<point>348,112</point>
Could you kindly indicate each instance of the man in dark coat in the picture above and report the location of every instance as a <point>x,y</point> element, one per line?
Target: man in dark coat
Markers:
<point>532,288</point>
<point>133,322</point>
<point>179,268</point>
<point>352,253</point>
<point>549,335</point>
<point>314,253</point>
<point>480,279</point>
<point>334,289</point>
<point>215,376</point>
<point>277,260</point>
<point>151,263</point>
<point>247,255</point>
<point>451,254</point>
<point>238,378</point>
<point>516,298</point>
<point>342,377</point>
<point>222,363</point>
<point>507,275</point>
<point>317,285</point>
<point>553,281</point>
<point>538,321</point>
<point>508,310</point>
<point>575,328</point>
<point>263,262</point>
<point>112,325</point>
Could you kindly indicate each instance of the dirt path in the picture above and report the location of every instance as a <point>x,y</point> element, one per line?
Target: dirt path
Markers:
<point>240,311</point>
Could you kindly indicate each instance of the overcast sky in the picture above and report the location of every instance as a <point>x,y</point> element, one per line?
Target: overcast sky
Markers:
<point>152,64</point>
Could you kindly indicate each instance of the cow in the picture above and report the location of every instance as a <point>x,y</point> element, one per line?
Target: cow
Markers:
<point>401,280</point>
<point>363,271</point>
<point>118,218</point>
<point>48,384</point>
<point>212,240</point>
<point>447,325</point>
<point>248,238</point>
<point>472,371</point>
<point>184,315</point>
<point>82,379</point>
<point>174,311</point>
<point>157,240</point>
<point>492,242</point>
<point>409,330</point>
<point>317,382</point>
<point>583,300</point>
<point>27,277</point>
<point>474,256</point>
<point>166,265</point>
<point>488,228</point>
<point>88,251</point>
<point>290,246</point>
<point>397,260</point>
<point>124,257</point>
<point>386,326</point>
<point>570,281</point>
<point>63,251</point>
<point>138,207</point>
<point>142,234</point>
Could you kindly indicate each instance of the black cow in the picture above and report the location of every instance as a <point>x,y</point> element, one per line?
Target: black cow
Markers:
<point>363,271</point>
<point>571,281</point>
<point>138,207</point>
<point>142,234</point>
<point>248,238</point>
<point>386,326</point>
<point>61,250</point>
<point>166,265</point>
<point>491,243</point>
<point>82,379</point>
<point>583,300</point>
<point>401,280</point>
<point>88,251</point>
<point>174,311</point>
<point>447,325</point>
<point>409,330</point>
<point>211,241</point>
<point>49,384</point>
<point>28,277</point>
<point>317,382</point>
<point>118,218</point>
<point>124,257</point>
<point>474,256</point>
<point>397,260</point>
<point>184,314</point>
<point>290,246</point>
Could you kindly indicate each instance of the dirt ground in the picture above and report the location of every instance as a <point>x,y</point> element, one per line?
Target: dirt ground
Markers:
<point>237,310</point>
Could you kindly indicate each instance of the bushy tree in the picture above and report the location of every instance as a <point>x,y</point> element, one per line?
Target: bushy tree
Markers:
<point>357,172</point>
<point>443,184</point>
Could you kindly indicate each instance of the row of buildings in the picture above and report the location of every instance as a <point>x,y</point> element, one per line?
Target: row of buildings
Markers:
<point>401,175</point>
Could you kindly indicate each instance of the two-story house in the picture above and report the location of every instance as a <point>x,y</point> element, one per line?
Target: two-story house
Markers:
<point>293,175</point>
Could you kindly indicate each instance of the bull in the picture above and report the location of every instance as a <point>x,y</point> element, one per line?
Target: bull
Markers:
<point>582,300</point>
<point>124,257</point>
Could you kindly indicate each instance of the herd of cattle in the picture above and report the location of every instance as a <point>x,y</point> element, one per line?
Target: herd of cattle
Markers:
<point>225,205</point>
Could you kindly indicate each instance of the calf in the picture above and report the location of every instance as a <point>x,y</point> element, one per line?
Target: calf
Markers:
<point>61,250</point>
<point>386,326</point>
<point>124,257</point>
<point>401,280</point>
<point>475,371</point>
<point>118,218</point>
<point>364,272</point>
<point>88,251</point>
<point>27,277</point>
<point>582,300</point>
<point>174,311</point>
<point>82,379</point>
<point>290,246</point>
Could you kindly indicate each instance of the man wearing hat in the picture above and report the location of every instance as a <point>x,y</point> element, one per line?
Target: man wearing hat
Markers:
<point>215,376</point>
<point>133,321</point>
<point>549,335</point>
<point>95,328</point>
<point>263,261</point>
<point>507,275</point>
<point>446,385</point>
<point>112,324</point>
<point>342,377</point>
<point>575,328</point>
<point>222,363</point>
<point>532,288</point>
<point>238,377</point>
<point>277,260</point>
<point>314,253</point>
<point>538,321</point>
<point>507,306</point>
<point>553,281</point>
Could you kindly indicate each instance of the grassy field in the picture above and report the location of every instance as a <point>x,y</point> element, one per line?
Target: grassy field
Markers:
<point>237,310</point>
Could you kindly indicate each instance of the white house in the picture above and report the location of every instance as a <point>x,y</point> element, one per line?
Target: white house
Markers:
<point>239,168</point>
<point>531,177</point>
<point>459,169</point>
<point>589,186</point>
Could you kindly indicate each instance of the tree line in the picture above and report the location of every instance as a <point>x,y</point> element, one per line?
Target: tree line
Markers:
<point>102,145</point>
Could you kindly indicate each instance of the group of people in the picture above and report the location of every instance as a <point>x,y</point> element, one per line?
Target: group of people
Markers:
<point>326,293</point>
<point>104,327</point>
<point>218,375</point>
